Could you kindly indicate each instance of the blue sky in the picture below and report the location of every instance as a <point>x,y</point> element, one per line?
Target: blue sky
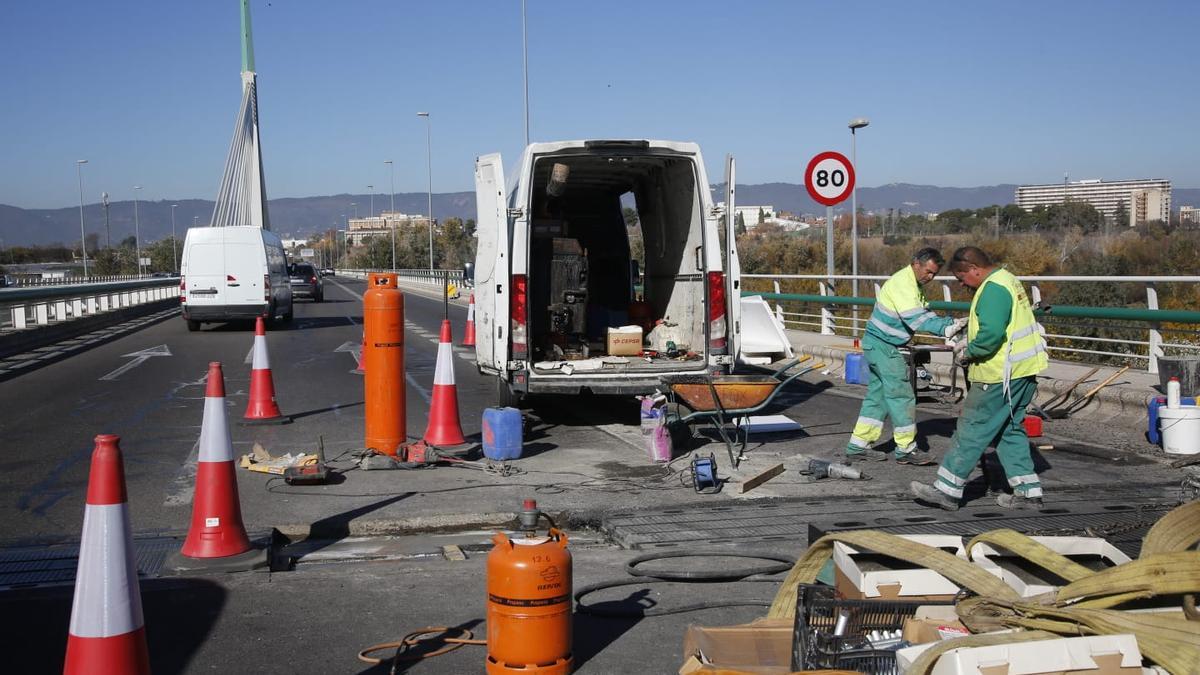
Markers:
<point>958,93</point>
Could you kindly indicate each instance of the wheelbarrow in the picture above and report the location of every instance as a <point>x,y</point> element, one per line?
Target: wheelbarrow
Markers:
<point>724,400</point>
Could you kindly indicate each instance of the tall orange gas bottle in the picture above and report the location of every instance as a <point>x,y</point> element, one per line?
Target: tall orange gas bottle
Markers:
<point>383,361</point>
<point>529,601</point>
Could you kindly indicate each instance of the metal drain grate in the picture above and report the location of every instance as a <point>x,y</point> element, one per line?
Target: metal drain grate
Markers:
<point>794,522</point>
<point>44,565</point>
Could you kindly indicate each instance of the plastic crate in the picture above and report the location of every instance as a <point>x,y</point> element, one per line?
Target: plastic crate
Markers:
<point>814,646</point>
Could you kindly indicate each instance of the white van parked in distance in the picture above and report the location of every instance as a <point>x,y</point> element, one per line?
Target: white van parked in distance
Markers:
<point>231,273</point>
<point>593,235</point>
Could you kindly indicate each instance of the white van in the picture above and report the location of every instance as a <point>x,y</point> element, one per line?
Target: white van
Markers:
<point>554,243</point>
<point>233,273</point>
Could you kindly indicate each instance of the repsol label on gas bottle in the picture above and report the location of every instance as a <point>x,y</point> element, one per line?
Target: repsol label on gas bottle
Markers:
<point>535,602</point>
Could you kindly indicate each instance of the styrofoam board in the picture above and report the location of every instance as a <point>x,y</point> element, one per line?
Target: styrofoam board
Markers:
<point>911,581</point>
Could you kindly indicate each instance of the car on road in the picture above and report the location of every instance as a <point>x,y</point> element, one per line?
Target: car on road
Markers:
<point>306,282</point>
<point>327,272</point>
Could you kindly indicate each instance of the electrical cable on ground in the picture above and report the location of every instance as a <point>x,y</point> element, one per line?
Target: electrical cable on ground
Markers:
<point>406,644</point>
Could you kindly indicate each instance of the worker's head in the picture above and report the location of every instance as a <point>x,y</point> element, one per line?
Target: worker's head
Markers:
<point>970,265</point>
<point>926,263</point>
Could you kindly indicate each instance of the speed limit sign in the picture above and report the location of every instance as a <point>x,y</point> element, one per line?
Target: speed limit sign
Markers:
<point>829,178</point>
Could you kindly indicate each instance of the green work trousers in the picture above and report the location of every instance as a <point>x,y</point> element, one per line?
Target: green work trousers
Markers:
<point>989,418</point>
<point>889,394</point>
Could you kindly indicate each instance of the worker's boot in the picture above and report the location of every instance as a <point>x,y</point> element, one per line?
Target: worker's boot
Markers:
<point>1018,500</point>
<point>932,495</point>
<point>866,456</point>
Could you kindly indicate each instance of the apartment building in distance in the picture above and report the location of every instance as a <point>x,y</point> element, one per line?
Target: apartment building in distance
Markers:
<point>361,229</point>
<point>1189,216</point>
<point>1141,200</point>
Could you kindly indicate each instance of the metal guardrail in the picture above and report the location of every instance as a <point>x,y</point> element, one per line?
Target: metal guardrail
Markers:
<point>22,308</point>
<point>37,282</point>
<point>1069,323</point>
<point>426,277</point>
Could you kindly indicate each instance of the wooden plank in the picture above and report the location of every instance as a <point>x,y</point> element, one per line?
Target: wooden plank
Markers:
<point>762,477</point>
<point>453,552</point>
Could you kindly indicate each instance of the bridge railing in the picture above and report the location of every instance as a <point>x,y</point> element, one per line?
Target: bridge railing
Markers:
<point>19,281</point>
<point>424,277</point>
<point>29,307</point>
<point>1139,334</point>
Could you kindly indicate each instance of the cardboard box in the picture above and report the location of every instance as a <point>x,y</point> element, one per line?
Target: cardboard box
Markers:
<point>1029,580</point>
<point>624,341</point>
<point>763,647</point>
<point>862,575</point>
<point>1095,655</point>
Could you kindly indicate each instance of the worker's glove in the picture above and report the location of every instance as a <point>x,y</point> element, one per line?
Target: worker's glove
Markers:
<point>960,350</point>
<point>956,327</point>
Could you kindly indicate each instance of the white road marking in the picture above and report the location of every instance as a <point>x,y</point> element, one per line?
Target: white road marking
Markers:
<point>355,349</point>
<point>183,487</point>
<point>249,356</point>
<point>425,394</point>
<point>140,357</point>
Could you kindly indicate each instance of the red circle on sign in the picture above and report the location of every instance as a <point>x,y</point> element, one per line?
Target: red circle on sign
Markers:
<point>831,193</point>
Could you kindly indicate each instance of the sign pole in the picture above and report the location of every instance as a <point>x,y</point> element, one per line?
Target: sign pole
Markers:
<point>829,245</point>
<point>829,179</point>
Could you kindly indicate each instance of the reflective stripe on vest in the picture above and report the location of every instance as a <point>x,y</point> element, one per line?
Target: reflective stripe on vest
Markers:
<point>1024,350</point>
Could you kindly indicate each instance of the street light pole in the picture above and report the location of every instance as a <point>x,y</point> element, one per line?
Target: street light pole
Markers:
<point>392,188</point>
<point>855,125</point>
<point>174,253</point>
<point>82,236</point>
<point>107,229</point>
<point>429,175</point>
<point>371,189</point>
<point>137,231</point>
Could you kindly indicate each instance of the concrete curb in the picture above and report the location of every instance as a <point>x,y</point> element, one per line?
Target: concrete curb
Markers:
<point>1113,400</point>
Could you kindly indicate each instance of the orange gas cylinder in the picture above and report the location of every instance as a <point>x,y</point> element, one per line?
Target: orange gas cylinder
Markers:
<point>383,363</point>
<point>529,601</point>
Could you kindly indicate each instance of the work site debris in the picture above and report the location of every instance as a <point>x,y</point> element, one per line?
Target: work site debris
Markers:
<point>258,459</point>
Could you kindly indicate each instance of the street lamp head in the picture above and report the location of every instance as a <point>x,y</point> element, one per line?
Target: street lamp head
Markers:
<point>81,161</point>
<point>422,114</point>
<point>137,187</point>
<point>387,161</point>
<point>858,123</point>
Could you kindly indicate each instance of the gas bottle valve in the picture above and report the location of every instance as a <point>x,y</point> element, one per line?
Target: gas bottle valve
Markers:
<point>530,514</point>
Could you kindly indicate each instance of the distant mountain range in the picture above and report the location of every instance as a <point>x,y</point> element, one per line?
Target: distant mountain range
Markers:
<point>300,217</point>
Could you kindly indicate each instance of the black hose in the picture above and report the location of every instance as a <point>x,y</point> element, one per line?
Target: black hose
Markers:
<point>784,563</point>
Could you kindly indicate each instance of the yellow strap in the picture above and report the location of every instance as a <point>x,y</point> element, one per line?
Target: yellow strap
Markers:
<point>1179,530</point>
<point>1028,549</point>
<point>1160,574</point>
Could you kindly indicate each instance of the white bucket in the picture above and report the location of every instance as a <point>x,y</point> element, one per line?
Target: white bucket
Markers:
<point>1180,429</point>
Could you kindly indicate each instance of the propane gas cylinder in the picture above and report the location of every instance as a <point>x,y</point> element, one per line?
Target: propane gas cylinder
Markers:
<point>383,363</point>
<point>529,601</point>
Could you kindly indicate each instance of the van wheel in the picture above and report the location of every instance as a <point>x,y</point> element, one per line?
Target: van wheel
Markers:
<point>193,325</point>
<point>287,318</point>
<point>505,396</point>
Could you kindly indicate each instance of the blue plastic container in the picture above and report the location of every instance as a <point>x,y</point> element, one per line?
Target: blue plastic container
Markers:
<point>857,371</point>
<point>502,433</point>
<point>1153,433</point>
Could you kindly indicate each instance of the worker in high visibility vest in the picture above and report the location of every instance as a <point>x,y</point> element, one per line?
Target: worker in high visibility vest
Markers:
<point>1005,351</point>
<point>900,311</point>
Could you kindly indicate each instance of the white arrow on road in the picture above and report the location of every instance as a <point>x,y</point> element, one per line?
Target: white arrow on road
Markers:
<point>139,357</point>
<point>355,349</point>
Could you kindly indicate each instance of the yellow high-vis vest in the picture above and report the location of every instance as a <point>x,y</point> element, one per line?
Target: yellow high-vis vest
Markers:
<point>1024,350</point>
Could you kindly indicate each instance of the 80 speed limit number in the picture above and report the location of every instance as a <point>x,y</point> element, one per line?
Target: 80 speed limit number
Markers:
<point>829,178</point>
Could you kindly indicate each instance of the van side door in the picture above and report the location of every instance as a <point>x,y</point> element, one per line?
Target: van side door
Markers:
<point>733,267</point>
<point>492,266</point>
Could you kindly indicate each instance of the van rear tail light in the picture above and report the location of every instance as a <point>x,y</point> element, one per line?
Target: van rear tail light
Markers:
<point>518,313</point>
<point>182,289</point>
<point>717,340</point>
<point>267,287</point>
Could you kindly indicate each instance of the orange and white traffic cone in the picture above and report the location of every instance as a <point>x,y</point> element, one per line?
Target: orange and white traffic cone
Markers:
<point>262,407</point>
<point>217,530</point>
<point>469,335</point>
<point>108,633</point>
<point>444,428</point>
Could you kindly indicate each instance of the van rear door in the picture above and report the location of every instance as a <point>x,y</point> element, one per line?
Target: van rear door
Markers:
<point>245,268</point>
<point>204,260</point>
<point>492,284</point>
<point>733,268</point>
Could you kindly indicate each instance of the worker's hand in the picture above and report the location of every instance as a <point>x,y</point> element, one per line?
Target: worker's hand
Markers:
<point>960,350</point>
<point>956,327</point>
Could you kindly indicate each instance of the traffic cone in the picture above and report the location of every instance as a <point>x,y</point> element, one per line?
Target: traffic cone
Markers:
<point>262,407</point>
<point>108,633</point>
<point>469,337</point>
<point>444,428</point>
<point>217,530</point>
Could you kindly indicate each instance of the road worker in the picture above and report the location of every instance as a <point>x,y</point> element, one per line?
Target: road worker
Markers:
<point>1004,350</point>
<point>900,311</point>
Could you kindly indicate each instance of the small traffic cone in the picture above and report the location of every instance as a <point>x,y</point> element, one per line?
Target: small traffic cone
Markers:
<point>108,632</point>
<point>217,530</point>
<point>262,407</point>
<point>469,336</point>
<point>444,428</point>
